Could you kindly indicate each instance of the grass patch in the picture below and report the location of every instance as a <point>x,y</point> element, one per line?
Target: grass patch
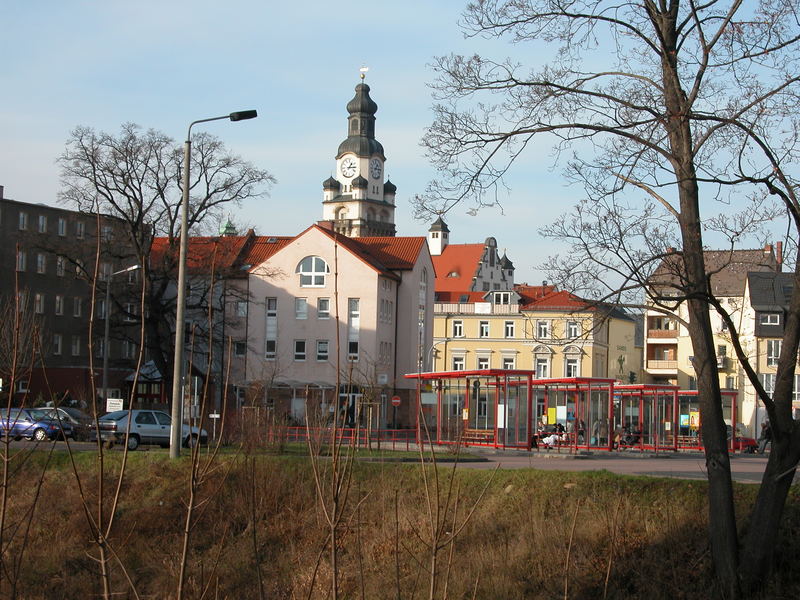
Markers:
<point>258,513</point>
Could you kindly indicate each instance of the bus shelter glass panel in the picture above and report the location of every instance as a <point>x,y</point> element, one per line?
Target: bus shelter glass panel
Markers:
<point>664,416</point>
<point>599,418</point>
<point>452,403</point>
<point>512,411</point>
<point>688,420</point>
<point>481,405</point>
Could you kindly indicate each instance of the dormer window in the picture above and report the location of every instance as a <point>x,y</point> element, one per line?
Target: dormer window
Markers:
<point>770,319</point>
<point>502,297</point>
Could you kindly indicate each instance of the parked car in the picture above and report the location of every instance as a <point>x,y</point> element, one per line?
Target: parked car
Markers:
<point>147,427</point>
<point>82,424</point>
<point>30,423</point>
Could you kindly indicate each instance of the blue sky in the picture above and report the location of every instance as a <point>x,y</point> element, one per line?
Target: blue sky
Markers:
<point>164,64</point>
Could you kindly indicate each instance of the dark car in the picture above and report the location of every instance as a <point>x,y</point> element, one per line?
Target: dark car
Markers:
<point>32,424</point>
<point>82,424</point>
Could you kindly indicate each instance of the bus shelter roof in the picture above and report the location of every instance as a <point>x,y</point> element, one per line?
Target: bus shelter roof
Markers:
<point>521,373</point>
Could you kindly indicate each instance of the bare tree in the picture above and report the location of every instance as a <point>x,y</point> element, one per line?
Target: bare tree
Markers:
<point>136,177</point>
<point>686,103</point>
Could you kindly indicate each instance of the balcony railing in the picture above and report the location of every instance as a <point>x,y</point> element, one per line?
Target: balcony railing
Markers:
<point>662,364</point>
<point>662,333</point>
<point>475,308</point>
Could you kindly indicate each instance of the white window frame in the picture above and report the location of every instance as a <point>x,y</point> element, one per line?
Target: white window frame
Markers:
<point>77,306</point>
<point>509,329</point>
<point>323,350</point>
<point>60,266</point>
<point>573,329</point>
<point>313,271</point>
<point>770,319</point>
<point>509,362</point>
<point>483,363</point>
<point>301,309</point>
<point>773,352</point>
<point>458,329</point>
<point>57,341</point>
<point>300,350</point>
<point>271,328</point>
<point>572,367</point>
<point>483,329</point>
<point>59,305</point>
<point>41,263</point>
<point>38,303</point>
<point>459,363</point>
<point>42,227</point>
<point>80,230</point>
<point>62,227</point>
<point>75,345</point>
<point>324,308</point>
<point>22,223</point>
<point>22,260</point>
<point>543,329</point>
<point>542,367</point>
<point>241,308</point>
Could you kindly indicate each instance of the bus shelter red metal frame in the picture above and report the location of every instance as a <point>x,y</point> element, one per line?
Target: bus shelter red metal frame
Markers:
<point>646,416</point>
<point>509,408</point>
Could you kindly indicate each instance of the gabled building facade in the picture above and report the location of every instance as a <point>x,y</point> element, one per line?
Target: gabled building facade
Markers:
<point>668,347</point>
<point>328,309</point>
<point>482,320</point>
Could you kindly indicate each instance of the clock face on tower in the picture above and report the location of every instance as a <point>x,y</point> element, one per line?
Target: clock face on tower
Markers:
<point>375,168</point>
<point>348,167</point>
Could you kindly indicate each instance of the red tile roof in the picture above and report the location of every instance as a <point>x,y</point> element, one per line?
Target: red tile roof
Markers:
<point>456,266</point>
<point>530,293</point>
<point>247,252</point>
<point>461,297</point>
<point>261,248</point>
<point>384,254</point>
<point>562,300</point>
<point>202,252</point>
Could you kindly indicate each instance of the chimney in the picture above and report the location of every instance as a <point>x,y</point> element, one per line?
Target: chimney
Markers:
<point>778,249</point>
<point>767,248</point>
<point>1,192</point>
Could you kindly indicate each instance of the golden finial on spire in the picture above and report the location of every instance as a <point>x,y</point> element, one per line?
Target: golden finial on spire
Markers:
<point>363,70</point>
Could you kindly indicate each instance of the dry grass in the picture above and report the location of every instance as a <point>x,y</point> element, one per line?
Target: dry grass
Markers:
<point>632,537</point>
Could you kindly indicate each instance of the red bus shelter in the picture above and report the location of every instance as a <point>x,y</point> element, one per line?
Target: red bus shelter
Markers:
<point>646,416</point>
<point>689,437</point>
<point>506,408</point>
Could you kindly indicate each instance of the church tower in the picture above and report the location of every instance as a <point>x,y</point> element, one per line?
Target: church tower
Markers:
<point>357,201</point>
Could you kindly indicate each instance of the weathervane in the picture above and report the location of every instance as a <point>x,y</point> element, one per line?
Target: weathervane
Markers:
<point>363,70</point>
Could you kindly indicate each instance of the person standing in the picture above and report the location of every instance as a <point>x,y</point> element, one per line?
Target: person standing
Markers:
<point>765,437</point>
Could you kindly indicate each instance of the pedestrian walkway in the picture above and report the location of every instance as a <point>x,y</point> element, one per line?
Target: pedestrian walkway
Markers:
<point>745,468</point>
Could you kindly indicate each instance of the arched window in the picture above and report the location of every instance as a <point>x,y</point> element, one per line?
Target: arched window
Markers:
<point>341,214</point>
<point>312,271</point>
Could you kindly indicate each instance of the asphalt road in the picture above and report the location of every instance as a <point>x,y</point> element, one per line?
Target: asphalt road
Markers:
<point>745,468</point>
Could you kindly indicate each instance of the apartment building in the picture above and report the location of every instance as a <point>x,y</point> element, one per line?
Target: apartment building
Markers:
<point>49,259</point>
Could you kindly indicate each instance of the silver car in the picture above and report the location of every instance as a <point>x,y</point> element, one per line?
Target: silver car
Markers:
<point>147,427</point>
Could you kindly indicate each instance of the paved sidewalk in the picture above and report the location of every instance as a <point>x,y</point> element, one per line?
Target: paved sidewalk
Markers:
<point>745,468</point>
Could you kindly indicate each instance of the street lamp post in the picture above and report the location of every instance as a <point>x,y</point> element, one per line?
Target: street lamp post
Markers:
<point>106,348</point>
<point>180,310</point>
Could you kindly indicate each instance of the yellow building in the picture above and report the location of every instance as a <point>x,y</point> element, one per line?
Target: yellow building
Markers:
<point>538,328</point>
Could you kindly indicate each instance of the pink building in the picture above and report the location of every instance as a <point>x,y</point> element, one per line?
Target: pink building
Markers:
<point>326,309</point>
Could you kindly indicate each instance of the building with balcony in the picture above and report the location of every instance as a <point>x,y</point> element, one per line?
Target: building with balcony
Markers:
<point>733,273</point>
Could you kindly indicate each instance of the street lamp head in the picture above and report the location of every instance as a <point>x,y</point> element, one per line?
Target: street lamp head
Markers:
<point>243,115</point>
